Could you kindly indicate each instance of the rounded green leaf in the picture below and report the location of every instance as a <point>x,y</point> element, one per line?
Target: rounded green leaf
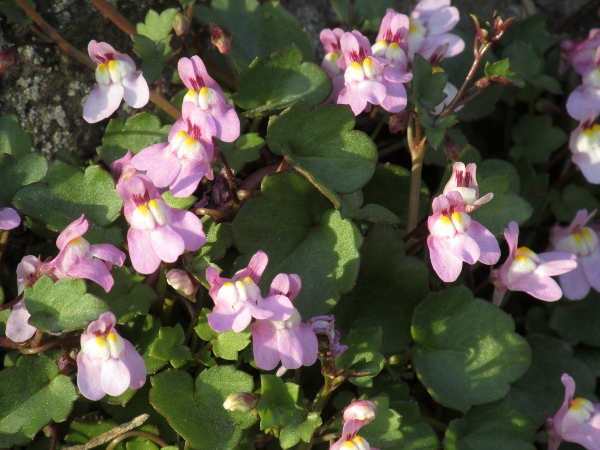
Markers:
<point>32,394</point>
<point>15,174</point>
<point>577,322</point>
<point>293,224</point>
<point>195,409</point>
<point>61,306</point>
<point>322,144</point>
<point>13,140</point>
<point>466,350</point>
<point>490,427</point>
<point>363,355</point>
<point>273,84</point>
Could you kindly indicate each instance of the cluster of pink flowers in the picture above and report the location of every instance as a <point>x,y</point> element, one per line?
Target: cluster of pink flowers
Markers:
<point>365,75</point>
<point>278,333</point>
<point>583,104</point>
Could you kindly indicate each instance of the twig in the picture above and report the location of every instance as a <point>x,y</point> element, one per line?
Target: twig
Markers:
<point>115,16</point>
<point>149,436</point>
<point>12,302</point>
<point>111,434</point>
<point>417,147</point>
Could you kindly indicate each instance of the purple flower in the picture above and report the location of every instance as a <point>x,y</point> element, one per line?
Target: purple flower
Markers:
<point>331,43</point>
<point>117,80</point>
<point>428,34</point>
<point>464,181</point>
<point>9,219</point>
<point>529,272</point>
<point>577,420</point>
<point>78,259</point>
<point>324,325</point>
<point>356,415</point>
<point>107,363</point>
<point>289,340</point>
<point>584,143</point>
<point>366,79</point>
<point>583,242</point>
<point>238,299</point>
<point>181,163</point>
<point>206,94</point>
<point>584,56</point>
<point>455,238</point>
<point>584,101</point>
<point>157,232</point>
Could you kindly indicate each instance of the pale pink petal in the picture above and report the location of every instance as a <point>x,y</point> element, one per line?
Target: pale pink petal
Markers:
<point>189,227</point>
<point>255,267</point>
<point>591,268</point>
<point>102,102</point>
<point>575,285</point>
<point>279,305</point>
<point>228,126</point>
<point>74,230</point>
<point>373,91</point>
<point>89,377</point>
<point>241,320</point>
<point>147,157</point>
<point>9,219</point>
<point>167,243</point>
<point>465,248</point>
<point>141,252</point>
<point>488,245</point>
<point>135,89</point>
<point>556,263</point>
<point>538,286</point>
<point>114,377</point>
<point>264,345</point>
<point>444,262</point>
<point>135,364</point>
<point>188,178</point>
<point>301,350</point>
<point>17,325</point>
<point>92,269</point>
<point>108,252</point>
<point>288,285</point>
<point>219,322</point>
<point>101,52</point>
<point>395,99</point>
<point>356,102</point>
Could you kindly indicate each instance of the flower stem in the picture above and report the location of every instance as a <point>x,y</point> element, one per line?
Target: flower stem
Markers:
<point>114,16</point>
<point>228,173</point>
<point>417,147</point>
<point>12,302</point>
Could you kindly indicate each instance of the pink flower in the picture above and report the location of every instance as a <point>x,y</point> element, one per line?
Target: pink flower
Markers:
<point>356,415</point>
<point>181,163</point>
<point>289,340</point>
<point>428,34</point>
<point>366,79</point>
<point>324,325</point>
<point>9,219</point>
<point>157,232</point>
<point>455,238</point>
<point>584,56</point>
<point>584,143</point>
<point>529,272</point>
<point>331,43</point>
<point>78,259</point>
<point>583,242</point>
<point>391,43</point>
<point>584,101</point>
<point>29,270</point>
<point>122,168</point>
<point>117,80</point>
<point>464,181</point>
<point>107,363</point>
<point>206,94</point>
<point>238,299</point>
<point>577,420</point>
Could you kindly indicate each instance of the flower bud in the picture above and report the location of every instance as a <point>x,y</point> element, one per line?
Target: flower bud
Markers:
<point>241,401</point>
<point>184,283</point>
<point>220,38</point>
<point>181,25</point>
<point>451,148</point>
<point>399,121</point>
<point>8,57</point>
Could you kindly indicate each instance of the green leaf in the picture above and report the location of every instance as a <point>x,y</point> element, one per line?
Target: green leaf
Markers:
<point>195,410</point>
<point>271,85</point>
<point>502,209</point>
<point>574,321</point>
<point>155,26</point>
<point>534,189</point>
<point>539,392</point>
<point>128,297</point>
<point>81,431</point>
<point>532,29</point>
<point>394,284</point>
<point>154,55</point>
<point>351,209</point>
<point>366,14</point>
<point>501,69</point>
<point>258,29</point>
<point>67,194</point>
<point>322,145</point>
<point>15,14</point>
<point>300,427</point>
<point>277,401</point>
<point>391,178</point>
<point>293,224</point>
<point>242,151</point>
<point>225,345</point>
<point>218,239</point>
<point>170,346</point>
<point>137,133</point>
<point>536,139</point>
<point>466,351</point>
<point>384,431</point>
<point>572,199</point>
<point>142,332</point>
<point>427,88</point>
<point>178,202</point>
<point>61,306</point>
<point>13,140</point>
<point>32,394</point>
<point>15,173</point>
<point>524,59</point>
<point>363,355</point>
<point>498,167</point>
<point>490,427</point>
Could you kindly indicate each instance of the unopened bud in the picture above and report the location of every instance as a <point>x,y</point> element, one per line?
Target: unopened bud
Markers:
<point>451,148</point>
<point>181,25</point>
<point>182,282</point>
<point>482,29</point>
<point>399,121</point>
<point>241,401</point>
<point>8,57</point>
<point>501,80</point>
<point>500,26</point>
<point>220,38</point>
<point>483,83</point>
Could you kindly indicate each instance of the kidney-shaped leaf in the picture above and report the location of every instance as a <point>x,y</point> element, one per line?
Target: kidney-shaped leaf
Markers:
<point>466,350</point>
<point>15,173</point>
<point>195,410</point>
<point>322,145</point>
<point>293,224</point>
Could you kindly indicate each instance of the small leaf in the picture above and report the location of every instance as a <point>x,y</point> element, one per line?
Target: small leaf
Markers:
<point>501,69</point>
<point>42,395</point>
<point>243,150</point>
<point>218,239</point>
<point>365,14</point>
<point>155,26</point>
<point>225,345</point>
<point>466,351</point>
<point>154,55</point>
<point>13,140</point>
<point>272,85</point>
<point>573,198</point>
<point>15,14</point>
<point>142,332</point>
<point>15,173</point>
<point>322,145</point>
<point>574,321</point>
<point>363,355</point>
<point>195,410</point>
<point>61,306</point>
<point>300,427</point>
<point>426,87</point>
<point>170,346</point>
<point>536,139</point>
<point>277,401</point>
<point>178,202</point>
